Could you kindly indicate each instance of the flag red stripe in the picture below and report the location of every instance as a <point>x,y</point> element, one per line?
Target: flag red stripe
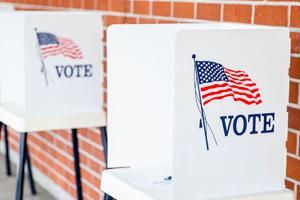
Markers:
<point>235,71</point>
<point>235,99</point>
<point>238,79</point>
<point>205,88</point>
<point>214,86</point>
<point>58,48</point>
<point>244,84</point>
<point>60,51</point>
<point>250,96</point>
<point>237,75</point>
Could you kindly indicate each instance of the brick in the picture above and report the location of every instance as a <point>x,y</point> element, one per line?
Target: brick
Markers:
<point>289,185</point>
<point>292,143</point>
<point>104,84</point>
<point>86,175</point>
<point>105,49</point>
<point>83,132</point>
<point>64,134</point>
<point>89,4</point>
<point>96,138</point>
<point>295,16</point>
<point>295,68</point>
<point>76,3</point>
<point>55,3</point>
<point>96,182</point>
<point>102,5</point>
<point>295,42</point>
<point>293,166</point>
<point>104,97</point>
<point>130,20</point>
<point>147,21</point>
<point>294,91</point>
<point>294,118</point>
<point>141,7</point>
<point>109,20</point>
<point>104,108</point>
<point>85,146</point>
<point>161,8</point>
<point>271,15</point>
<point>94,194</point>
<point>209,11</point>
<point>17,8</point>
<point>64,3</point>
<point>104,66</point>
<point>30,1</point>
<point>184,10</point>
<point>104,37</point>
<point>166,21</point>
<point>237,13</point>
<point>120,6</point>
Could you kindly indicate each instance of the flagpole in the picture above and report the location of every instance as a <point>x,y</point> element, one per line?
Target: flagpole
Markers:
<point>43,69</point>
<point>200,100</point>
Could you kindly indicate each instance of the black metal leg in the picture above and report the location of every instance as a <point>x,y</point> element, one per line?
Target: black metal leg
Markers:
<point>7,158</point>
<point>1,128</point>
<point>77,164</point>
<point>104,144</point>
<point>20,175</point>
<point>104,141</point>
<point>30,176</point>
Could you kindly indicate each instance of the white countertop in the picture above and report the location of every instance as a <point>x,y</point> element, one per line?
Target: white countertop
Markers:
<point>147,183</point>
<point>13,116</point>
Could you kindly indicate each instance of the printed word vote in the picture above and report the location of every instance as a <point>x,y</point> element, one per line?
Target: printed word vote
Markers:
<point>77,71</point>
<point>241,124</point>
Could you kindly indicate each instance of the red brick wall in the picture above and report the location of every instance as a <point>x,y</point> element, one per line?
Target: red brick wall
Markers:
<point>51,153</point>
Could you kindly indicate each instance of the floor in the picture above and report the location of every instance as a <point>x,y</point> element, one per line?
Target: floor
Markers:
<point>8,185</point>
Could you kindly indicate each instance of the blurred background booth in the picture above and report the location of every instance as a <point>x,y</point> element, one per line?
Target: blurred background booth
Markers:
<point>51,77</point>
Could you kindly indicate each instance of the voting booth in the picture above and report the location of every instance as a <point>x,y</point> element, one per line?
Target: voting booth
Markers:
<point>51,63</point>
<point>51,78</point>
<point>197,111</point>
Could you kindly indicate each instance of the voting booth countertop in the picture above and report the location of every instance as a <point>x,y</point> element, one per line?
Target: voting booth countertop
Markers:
<point>199,114</point>
<point>51,70</point>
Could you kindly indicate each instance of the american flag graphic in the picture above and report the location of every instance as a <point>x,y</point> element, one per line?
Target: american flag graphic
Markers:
<point>52,45</point>
<point>217,82</point>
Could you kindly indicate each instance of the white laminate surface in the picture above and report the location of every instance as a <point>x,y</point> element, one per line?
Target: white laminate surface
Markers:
<point>147,183</point>
<point>14,116</point>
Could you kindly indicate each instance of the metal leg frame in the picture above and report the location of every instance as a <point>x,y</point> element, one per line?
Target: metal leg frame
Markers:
<point>7,158</point>
<point>6,146</point>
<point>104,144</point>
<point>30,176</point>
<point>76,164</point>
<point>24,156</point>
<point>20,175</point>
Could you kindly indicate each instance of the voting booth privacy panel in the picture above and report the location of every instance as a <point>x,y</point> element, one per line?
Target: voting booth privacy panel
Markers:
<point>206,101</point>
<point>53,63</point>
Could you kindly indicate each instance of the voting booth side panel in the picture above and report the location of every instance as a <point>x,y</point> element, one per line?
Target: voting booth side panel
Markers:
<point>63,65</point>
<point>12,59</point>
<point>140,88</point>
<point>230,112</point>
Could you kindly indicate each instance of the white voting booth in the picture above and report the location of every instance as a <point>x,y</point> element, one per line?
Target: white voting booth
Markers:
<point>51,66</point>
<point>50,77</point>
<point>204,104</point>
